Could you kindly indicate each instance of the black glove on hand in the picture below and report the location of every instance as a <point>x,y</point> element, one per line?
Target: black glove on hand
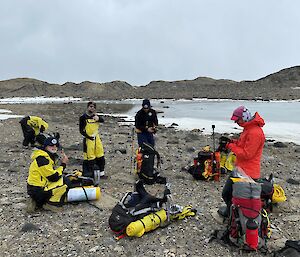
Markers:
<point>223,142</point>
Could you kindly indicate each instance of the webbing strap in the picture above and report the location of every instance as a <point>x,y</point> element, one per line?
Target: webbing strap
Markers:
<point>142,223</point>
<point>158,217</point>
<point>88,201</point>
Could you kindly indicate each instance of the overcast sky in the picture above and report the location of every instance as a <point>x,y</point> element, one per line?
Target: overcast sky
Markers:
<point>143,40</point>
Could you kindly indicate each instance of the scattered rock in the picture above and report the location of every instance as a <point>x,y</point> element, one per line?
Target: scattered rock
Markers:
<point>292,218</point>
<point>94,249</point>
<point>28,227</point>
<point>293,181</point>
<point>122,151</point>
<point>279,145</point>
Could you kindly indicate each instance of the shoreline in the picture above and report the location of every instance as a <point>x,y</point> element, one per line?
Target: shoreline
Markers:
<point>116,106</point>
<point>71,99</point>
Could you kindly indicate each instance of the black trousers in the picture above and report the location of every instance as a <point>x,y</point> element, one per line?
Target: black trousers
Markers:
<point>227,192</point>
<point>88,167</point>
<point>28,132</point>
<point>38,195</point>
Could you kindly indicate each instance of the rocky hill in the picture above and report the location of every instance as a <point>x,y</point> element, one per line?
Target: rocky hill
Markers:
<point>284,84</point>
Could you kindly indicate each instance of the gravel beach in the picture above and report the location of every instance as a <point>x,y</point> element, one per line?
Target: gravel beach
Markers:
<point>82,230</point>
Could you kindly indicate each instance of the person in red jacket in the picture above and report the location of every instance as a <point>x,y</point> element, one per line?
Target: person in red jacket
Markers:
<point>248,148</point>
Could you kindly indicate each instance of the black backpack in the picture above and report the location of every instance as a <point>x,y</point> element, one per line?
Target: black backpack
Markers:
<point>134,206</point>
<point>267,190</point>
<point>291,249</point>
<point>202,164</point>
<point>148,173</point>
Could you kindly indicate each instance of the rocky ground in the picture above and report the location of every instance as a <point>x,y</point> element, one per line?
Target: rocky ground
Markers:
<point>82,230</point>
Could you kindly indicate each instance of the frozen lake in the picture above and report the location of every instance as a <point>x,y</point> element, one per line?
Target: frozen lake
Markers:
<point>282,118</point>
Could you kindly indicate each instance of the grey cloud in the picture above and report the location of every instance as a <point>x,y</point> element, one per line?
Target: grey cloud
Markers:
<point>141,40</point>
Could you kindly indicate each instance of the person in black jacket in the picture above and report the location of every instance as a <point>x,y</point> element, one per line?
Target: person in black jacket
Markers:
<point>146,123</point>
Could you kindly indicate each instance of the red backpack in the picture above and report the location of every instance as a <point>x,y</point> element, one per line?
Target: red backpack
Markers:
<point>249,225</point>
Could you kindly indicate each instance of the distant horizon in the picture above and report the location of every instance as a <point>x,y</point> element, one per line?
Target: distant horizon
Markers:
<point>61,83</point>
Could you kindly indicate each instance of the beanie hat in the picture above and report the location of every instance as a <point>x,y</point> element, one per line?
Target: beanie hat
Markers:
<point>91,103</point>
<point>241,112</point>
<point>50,141</point>
<point>146,103</point>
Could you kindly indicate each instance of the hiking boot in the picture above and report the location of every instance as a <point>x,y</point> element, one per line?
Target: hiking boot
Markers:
<point>31,206</point>
<point>51,207</point>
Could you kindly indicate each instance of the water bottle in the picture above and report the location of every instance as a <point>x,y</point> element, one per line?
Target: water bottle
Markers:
<point>252,234</point>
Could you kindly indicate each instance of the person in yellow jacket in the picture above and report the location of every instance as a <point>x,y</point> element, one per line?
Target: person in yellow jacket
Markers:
<point>45,183</point>
<point>93,152</point>
<point>31,127</point>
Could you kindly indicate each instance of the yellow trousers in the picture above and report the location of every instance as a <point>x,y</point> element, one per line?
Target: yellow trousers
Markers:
<point>92,149</point>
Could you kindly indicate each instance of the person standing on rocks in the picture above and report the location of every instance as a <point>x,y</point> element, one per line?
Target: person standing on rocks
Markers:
<point>247,149</point>
<point>31,127</point>
<point>93,152</point>
<point>45,184</point>
<point>146,123</point>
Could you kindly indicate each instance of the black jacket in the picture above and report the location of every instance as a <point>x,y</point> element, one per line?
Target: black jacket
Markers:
<point>145,120</point>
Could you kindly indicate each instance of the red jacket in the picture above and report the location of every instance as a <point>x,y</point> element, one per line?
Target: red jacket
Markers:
<point>248,148</point>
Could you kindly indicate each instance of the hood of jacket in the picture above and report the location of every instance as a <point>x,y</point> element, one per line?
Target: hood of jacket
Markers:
<point>256,121</point>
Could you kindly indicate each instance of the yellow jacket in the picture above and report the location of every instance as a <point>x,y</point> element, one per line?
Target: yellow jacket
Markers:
<point>42,172</point>
<point>36,123</point>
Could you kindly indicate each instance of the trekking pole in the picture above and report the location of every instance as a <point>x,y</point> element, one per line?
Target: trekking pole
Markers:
<point>132,151</point>
<point>214,166</point>
<point>213,136</point>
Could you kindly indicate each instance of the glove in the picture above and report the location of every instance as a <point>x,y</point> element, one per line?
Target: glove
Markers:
<point>74,176</point>
<point>223,141</point>
<point>77,173</point>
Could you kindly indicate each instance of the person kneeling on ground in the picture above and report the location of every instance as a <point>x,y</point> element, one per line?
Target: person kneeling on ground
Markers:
<point>45,184</point>
<point>247,149</point>
<point>31,127</point>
